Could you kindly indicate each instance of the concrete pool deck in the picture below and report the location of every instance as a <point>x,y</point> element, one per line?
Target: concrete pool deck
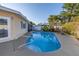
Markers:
<point>69,47</point>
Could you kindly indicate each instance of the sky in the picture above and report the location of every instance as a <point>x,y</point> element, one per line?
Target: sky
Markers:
<point>36,12</point>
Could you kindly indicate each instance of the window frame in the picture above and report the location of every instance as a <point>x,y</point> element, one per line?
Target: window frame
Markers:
<point>3,39</point>
<point>23,25</point>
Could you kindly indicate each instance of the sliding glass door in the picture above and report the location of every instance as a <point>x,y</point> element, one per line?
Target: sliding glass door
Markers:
<point>3,28</point>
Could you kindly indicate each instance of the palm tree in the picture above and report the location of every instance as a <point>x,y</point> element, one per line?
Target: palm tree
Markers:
<point>53,19</point>
<point>71,10</point>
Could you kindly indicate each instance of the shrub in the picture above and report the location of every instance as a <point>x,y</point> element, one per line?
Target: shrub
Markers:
<point>76,19</point>
<point>69,28</point>
<point>45,28</point>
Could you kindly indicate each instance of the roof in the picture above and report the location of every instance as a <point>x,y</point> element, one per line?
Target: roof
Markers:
<point>13,11</point>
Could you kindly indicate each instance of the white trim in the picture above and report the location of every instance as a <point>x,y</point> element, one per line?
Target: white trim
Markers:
<point>9,27</point>
<point>8,9</point>
<point>13,11</point>
<point>4,39</point>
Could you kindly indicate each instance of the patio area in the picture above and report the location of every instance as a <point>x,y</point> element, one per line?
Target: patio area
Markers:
<point>69,47</point>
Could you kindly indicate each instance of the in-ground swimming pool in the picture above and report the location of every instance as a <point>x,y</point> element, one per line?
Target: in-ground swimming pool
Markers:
<point>43,42</point>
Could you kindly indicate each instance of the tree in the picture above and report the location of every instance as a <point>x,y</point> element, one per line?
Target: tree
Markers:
<point>71,10</point>
<point>53,19</point>
<point>65,16</point>
<point>32,23</point>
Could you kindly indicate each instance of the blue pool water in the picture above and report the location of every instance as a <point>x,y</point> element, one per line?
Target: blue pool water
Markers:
<point>43,42</point>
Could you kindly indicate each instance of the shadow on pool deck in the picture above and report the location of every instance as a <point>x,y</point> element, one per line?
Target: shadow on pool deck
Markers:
<point>69,47</point>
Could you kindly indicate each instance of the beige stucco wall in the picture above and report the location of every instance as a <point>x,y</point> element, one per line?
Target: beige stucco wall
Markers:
<point>16,30</point>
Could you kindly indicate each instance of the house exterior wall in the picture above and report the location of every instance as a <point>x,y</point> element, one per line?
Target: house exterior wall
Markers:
<point>16,30</point>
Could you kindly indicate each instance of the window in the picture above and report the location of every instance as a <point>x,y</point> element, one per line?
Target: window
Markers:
<point>23,25</point>
<point>3,21</point>
<point>3,28</point>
